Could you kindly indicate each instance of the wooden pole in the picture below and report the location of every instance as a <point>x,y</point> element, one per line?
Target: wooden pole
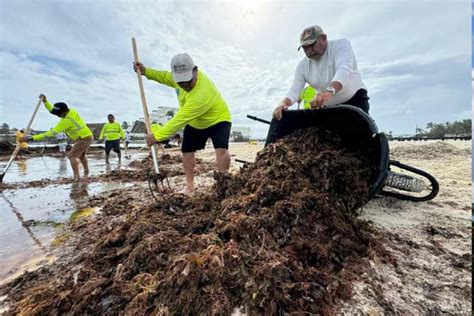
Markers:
<point>18,146</point>
<point>153,148</point>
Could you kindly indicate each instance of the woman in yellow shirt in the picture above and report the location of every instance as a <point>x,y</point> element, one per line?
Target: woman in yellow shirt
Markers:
<point>19,135</point>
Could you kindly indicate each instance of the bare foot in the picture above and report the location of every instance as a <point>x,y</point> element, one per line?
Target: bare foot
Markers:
<point>188,192</point>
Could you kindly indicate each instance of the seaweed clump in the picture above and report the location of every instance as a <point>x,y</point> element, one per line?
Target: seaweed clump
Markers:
<point>282,236</point>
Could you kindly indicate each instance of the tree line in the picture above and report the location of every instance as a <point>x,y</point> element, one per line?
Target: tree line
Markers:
<point>463,127</point>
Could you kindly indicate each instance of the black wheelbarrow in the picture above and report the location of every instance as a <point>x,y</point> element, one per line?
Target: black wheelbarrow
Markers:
<point>354,126</point>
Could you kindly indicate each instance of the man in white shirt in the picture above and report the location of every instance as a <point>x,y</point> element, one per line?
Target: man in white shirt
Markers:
<point>62,143</point>
<point>127,139</point>
<point>331,68</point>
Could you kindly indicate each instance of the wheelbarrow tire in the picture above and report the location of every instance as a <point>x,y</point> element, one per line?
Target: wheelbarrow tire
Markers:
<point>404,182</point>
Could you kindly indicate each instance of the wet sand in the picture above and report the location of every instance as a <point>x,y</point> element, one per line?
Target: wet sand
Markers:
<point>36,197</point>
<point>431,241</point>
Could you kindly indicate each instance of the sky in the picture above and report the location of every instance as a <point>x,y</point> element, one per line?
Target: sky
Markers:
<point>414,56</point>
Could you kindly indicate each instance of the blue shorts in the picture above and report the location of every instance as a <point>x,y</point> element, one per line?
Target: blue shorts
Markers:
<point>112,144</point>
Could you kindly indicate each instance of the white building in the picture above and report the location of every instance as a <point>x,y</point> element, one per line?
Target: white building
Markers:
<point>240,133</point>
<point>163,114</point>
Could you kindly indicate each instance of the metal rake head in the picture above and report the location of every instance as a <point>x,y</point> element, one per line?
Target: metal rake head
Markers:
<point>160,178</point>
<point>161,183</point>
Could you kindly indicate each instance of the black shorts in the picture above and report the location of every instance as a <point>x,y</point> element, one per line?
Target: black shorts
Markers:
<point>112,144</point>
<point>360,100</point>
<point>195,139</point>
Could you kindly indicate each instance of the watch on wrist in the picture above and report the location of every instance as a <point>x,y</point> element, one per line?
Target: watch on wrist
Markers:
<point>331,89</point>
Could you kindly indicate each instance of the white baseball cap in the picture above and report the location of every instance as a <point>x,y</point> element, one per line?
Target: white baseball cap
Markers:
<point>182,67</point>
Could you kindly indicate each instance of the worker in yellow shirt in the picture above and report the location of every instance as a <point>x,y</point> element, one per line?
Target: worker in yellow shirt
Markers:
<point>307,95</point>
<point>113,132</point>
<point>18,136</point>
<point>202,112</point>
<point>74,127</point>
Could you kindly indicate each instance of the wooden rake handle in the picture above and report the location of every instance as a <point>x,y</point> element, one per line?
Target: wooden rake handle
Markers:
<point>18,146</point>
<point>145,107</point>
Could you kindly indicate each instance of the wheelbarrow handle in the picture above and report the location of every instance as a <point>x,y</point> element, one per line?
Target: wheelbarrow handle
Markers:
<point>258,119</point>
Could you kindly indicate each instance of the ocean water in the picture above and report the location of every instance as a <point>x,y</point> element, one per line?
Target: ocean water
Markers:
<point>30,218</point>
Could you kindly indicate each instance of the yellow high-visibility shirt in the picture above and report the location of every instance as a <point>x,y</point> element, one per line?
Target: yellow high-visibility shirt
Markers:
<point>18,135</point>
<point>307,95</point>
<point>72,124</point>
<point>155,127</point>
<point>112,131</point>
<point>201,107</point>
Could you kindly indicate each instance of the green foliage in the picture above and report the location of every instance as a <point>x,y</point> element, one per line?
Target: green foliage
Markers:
<point>463,127</point>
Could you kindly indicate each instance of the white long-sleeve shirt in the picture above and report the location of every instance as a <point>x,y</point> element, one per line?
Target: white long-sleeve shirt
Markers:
<point>337,64</point>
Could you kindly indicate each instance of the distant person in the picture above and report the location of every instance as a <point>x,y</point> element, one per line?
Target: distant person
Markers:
<point>127,139</point>
<point>74,127</point>
<point>307,95</point>
<point>19,136</point>
<point>127,142</point>
<point>202,112</point>
<point>62,143</point>
<point>176,139</point>
<point>331,68</point>
<point>113,132</point>
<point>154,129</point>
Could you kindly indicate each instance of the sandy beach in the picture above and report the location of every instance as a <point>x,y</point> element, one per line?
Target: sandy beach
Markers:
<point>429,242</point>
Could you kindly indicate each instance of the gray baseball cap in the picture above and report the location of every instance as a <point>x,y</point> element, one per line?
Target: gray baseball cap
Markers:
<point>182,67</point>
<point>310,35</point>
